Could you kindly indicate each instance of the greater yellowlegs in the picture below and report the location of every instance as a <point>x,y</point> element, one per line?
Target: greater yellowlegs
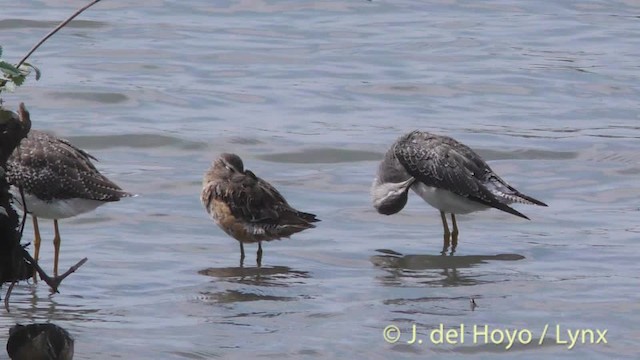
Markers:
<point>248,208</point>
<point>39,342</point>
<point>447,175</point>
<point>58,181</point>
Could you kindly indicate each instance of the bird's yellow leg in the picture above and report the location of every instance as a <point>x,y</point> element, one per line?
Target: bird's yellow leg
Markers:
<point>454,233</point>
<point>36,245</point>
<point>447,234</point>
<point>56,246</point>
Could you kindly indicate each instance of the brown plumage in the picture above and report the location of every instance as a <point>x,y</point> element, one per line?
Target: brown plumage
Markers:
<point>248,208</point>
<point>39,342</point>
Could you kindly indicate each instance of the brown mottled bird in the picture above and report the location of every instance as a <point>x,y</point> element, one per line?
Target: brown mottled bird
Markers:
<point>447,174</point>
<point>248,208</point>
<point>58,180</point>
<point>39,342</point>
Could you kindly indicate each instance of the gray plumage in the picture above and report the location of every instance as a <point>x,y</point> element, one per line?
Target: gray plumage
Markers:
<point>446,174</point>
<point>58,181</point>
<point>53,168</point>
<point>444,163</point>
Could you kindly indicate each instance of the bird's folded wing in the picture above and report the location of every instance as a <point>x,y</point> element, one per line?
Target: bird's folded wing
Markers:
<point>256,201</point>
<point>449,166</point>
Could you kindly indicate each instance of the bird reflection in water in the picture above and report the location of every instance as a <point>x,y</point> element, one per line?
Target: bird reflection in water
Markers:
<point>433,269</point>
<point>261,276</point>
<point>254,282</point>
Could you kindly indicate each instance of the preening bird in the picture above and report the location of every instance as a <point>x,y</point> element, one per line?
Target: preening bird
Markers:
<point>447,174</point>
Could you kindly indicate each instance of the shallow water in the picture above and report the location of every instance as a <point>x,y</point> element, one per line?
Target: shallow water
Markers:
<point>311,94</point>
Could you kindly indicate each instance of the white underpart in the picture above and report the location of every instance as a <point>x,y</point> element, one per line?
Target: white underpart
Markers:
<point>445,200</point>
<point>56,209</point>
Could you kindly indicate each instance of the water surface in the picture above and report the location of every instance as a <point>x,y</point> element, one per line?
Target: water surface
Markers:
<point>311,94</point>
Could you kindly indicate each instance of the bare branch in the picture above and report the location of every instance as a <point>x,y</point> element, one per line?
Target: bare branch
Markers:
<point>55,281</point>
<point>6,297</point>
<point>62,24</point>
<point>58,279</point>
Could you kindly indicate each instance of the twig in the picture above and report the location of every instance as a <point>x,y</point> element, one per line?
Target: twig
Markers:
<point>55,281</point>
<point>52,282</point>
<point>6,297</point>
<point>62,24</point>
<point>58,279</point>
<point>24,211</point>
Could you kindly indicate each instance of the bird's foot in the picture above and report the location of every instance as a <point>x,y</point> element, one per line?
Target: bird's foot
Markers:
<point>446,242</point>
<point>454,242</point>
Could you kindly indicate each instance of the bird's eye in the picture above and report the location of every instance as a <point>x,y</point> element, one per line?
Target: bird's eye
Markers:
<point>228,167</point>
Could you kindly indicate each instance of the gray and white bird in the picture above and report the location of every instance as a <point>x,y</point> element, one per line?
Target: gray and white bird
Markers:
<point>248,208</point>
<point>58,181</point>
<point>39,342</point>
<point>447,175</point>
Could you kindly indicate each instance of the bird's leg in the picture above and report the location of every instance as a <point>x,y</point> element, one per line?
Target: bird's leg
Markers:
<point>56,246</point>
<point>241,254</point>
<point>36,244</point>
<point>454,233</point>
<point>259,258</point>
<point>447,234</point>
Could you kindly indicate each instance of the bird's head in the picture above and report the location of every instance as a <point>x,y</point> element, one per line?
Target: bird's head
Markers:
<point>230,163</point>
<point>390,198</point>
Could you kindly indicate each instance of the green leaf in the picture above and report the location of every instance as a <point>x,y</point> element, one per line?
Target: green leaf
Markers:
<point>9,69</point>
<point>0,50</point>
<point>19,80</point>
<point>38,73</point>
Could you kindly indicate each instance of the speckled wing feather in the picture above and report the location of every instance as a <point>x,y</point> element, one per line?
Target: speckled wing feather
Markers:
<point>53,168</point>
<point>442,162</point>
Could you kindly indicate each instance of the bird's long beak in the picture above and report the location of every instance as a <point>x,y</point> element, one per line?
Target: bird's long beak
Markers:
<point>409,182</point>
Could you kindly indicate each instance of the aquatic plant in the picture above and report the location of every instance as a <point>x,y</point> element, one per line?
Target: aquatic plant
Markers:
<point>12,76</point>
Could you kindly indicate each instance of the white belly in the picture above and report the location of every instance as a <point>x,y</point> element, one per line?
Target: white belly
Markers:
<point>446,201</point>
<point>56,209</point>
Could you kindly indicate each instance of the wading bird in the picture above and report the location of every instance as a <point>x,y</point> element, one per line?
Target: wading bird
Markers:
<point>248,208</point>
<point>447,175</point>
<point>58,181</point>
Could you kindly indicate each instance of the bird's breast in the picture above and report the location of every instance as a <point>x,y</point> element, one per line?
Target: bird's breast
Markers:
<point>55,208</point>
<point>229,223</point>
